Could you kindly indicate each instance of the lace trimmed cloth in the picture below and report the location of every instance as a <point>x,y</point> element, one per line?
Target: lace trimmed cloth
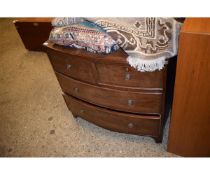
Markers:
<point>149,42</point>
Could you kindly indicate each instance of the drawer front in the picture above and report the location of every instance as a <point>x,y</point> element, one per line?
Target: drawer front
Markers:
<point>126,76</point>
<point>126,101</point>
<point>116,121</point>
<point>72,66</point>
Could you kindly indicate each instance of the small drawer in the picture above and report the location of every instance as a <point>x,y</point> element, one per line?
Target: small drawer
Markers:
<point>135,102</point>
<point>126,76</point>
<point>72,66</point>
<point>115,121</point>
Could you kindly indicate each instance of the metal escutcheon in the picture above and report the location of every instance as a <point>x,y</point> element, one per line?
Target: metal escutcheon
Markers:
<point>68,66</point>
<point>35,24</point>
<point>76,89</point>
<point>130,125</point>
<point>130,102</point>
<point>127,76</point>
<point>82,111</point>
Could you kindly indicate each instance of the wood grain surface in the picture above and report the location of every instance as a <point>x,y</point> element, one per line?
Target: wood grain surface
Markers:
<point>190,122</point>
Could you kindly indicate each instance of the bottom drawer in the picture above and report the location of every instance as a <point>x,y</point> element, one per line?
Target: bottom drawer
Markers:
<point>115,121</point>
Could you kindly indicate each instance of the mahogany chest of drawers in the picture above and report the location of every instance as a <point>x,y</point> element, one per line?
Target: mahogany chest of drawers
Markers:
<point>105,90</point>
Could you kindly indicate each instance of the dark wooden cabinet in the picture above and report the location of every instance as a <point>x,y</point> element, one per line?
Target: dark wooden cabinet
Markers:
<point>190,122</point>
<point>105,90</point>
<point>33,31</point>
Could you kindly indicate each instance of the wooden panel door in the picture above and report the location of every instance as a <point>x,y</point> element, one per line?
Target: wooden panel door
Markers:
<point>189,133</point>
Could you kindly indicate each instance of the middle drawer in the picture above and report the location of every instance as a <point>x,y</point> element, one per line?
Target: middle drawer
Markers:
<point>135,102</point>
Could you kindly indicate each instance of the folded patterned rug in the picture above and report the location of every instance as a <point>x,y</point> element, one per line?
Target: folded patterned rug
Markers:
<point>147,41</point>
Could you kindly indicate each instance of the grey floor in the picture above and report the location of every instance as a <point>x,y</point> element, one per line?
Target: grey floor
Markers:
<point>34,120</point>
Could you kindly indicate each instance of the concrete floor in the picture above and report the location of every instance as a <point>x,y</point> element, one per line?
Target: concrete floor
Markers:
<point>34,120</point>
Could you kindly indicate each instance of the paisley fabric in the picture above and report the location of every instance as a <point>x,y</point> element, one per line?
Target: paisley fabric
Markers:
<point>84,35</point>
<point>60,22</point>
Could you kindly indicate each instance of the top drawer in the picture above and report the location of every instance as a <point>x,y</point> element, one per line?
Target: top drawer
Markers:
<point>126,76</point>
<point>72,66</point>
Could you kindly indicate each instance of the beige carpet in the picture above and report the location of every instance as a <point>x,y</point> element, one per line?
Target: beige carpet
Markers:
<point>34,120</point>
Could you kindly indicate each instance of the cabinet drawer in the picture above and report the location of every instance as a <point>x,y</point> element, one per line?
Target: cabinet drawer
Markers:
<point>135,102</point>
<point>72,66</point>
<point>115,121</point>
<point>126,76</point>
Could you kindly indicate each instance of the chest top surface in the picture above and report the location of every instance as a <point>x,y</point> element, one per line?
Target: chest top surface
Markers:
<point>116,57</point>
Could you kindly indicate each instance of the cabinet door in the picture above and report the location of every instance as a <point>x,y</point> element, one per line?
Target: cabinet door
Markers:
<point>190,122</point>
